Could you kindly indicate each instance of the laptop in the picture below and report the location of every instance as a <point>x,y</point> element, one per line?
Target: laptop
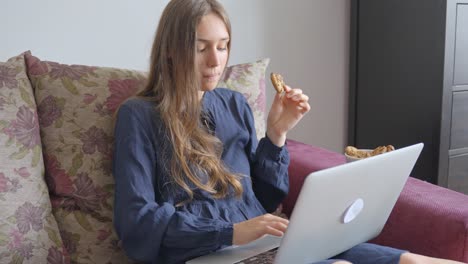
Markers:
<point>337,209</point>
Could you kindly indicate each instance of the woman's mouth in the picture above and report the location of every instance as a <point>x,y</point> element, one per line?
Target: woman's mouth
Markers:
<point>211,77</point>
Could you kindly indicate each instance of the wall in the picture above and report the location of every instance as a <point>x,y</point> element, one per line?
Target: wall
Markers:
<point>307,41</point>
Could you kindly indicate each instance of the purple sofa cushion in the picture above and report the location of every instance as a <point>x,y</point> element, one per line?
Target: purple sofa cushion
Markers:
<point>304,160</point>
<point>429,213</point>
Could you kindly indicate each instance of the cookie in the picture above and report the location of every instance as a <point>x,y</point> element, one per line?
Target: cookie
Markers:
<point>277,81</point>
<point>357,153</point>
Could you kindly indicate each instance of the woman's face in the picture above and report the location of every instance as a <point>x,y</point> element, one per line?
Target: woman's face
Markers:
<point>212,50</point>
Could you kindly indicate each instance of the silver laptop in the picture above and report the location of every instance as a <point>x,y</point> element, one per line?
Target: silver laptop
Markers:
<point>337,209</point>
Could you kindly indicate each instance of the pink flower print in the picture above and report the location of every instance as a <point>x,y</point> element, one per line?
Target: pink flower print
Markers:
<point>55,256</point>
<point>103,234</point>
<point>68,204</point>
<point>106,164</point>
<point>23,172</point>
<point>87,196</point>
<point>69,242</point>
<point>57,179</point>
<point>29,216</point>
<point>35,66</point>
<point>16,239</point>
<point>74,72</point>
<point>260,102</point>
<point>8,77</point>
<point>56,201</point>
<point>49,111</point>
<point>120,91</point>
<point>89,98</point>
<point>25,250</point>
<point>16,244</point>
<point>15,185</point>
<point>25,128</point>
<point>234,73</point>
<point>99,108</point>
<point>95,138</point>
<point>3,183</point>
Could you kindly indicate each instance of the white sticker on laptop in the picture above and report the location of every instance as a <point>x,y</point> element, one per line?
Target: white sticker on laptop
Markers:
<point>353,210</point>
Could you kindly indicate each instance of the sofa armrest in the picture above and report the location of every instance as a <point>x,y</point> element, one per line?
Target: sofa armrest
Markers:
<point>427,219</point>
<point>304,160</point>
<point>430,220</point>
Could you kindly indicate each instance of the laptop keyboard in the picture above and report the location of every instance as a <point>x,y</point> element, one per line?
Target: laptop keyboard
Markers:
<point>266,257</point>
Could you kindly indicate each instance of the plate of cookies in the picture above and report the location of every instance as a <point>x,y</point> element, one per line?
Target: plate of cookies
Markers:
<point>353,153</point>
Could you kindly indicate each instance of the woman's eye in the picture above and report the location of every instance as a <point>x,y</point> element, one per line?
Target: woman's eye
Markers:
<point>204,49</point>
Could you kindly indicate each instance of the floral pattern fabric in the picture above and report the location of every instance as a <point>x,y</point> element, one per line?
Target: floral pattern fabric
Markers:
<point>76,104</point>
<point>75,107</point>
<point>28,230</point>
<point>249,79</point>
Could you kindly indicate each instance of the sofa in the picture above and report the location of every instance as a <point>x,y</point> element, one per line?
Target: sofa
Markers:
<point>56,186</point>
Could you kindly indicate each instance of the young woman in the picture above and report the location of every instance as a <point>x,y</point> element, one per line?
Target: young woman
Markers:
<point>190,175</point>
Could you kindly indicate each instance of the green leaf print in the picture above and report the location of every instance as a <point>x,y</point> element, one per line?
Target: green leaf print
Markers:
<point>26,96</point>
<point>77,162</point>
<point>17,259</point>
<point>59,122</point>
<point>4,238</point>
<point>20,154</point>
<point>53,236</point>
<point>12,220</point>
<point>69,85</point>
<point>36,155</point>
<point>87,83</point>
<point>3,124</point>
<point>82,220</point>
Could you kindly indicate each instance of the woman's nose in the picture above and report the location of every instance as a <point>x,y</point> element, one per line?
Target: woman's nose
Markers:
<point>213,59</point>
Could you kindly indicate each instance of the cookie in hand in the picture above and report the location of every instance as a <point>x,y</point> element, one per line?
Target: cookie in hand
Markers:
<point>277,81</point>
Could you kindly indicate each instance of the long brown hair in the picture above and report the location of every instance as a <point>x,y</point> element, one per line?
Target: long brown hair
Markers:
<point>174,85</point>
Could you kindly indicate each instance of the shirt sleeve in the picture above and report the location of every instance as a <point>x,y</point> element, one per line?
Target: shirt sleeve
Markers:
<point>269,167</point>
<point>145,224</point>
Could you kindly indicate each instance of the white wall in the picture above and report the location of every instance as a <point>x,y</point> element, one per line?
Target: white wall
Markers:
<point>102,33</point>
<point>307,41</point>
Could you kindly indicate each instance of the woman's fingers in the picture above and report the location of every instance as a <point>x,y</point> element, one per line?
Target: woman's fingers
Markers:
<point>247,231</point>
<point>304,107</point>
<point>287,89</point>
<point>300,98</point>
<point>292,92</point>
<point>296,94</point>
<point>275,225</point>
<point>273,231</point>
<point>281,227</point>
<point>276,218</point>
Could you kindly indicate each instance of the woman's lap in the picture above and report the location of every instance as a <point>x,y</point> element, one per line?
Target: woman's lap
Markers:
<point>367,253</point>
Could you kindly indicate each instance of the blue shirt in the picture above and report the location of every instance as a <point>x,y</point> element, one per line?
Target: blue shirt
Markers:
<point>151,227</point>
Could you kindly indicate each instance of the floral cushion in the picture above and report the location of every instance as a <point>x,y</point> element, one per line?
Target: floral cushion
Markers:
<point>249,79</point>
<point>76,105</point>
<point>28,230</point>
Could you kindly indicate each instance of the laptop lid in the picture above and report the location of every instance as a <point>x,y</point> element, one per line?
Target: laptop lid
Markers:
<point>345,205</point>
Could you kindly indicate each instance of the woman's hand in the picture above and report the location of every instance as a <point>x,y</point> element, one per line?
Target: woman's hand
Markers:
<point>286,111</point>
<point>248,231</point>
